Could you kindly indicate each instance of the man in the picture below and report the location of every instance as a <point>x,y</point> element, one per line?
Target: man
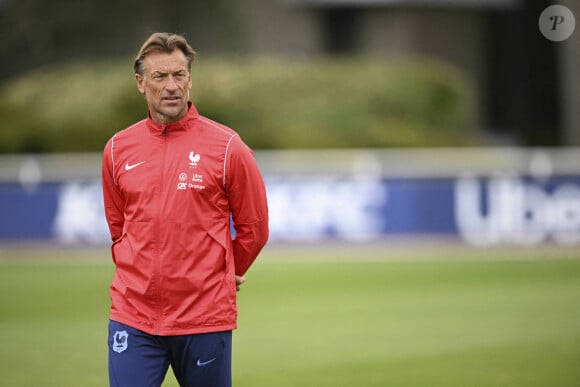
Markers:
<point>171,184</point>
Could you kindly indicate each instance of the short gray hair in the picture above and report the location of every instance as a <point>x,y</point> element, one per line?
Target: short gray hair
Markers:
<point>164,42</point>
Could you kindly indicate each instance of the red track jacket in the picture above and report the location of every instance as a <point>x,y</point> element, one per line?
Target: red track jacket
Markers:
<point>168,193</point>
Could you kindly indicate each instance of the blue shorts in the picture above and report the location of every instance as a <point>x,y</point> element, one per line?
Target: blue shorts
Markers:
<point>140,359</point>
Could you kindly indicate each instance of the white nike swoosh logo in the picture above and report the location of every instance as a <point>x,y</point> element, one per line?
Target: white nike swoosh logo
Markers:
<point>204,363</point>
<point>129,167</point>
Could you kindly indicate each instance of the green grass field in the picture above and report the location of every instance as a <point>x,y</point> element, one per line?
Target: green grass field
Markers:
<point>324,317</point>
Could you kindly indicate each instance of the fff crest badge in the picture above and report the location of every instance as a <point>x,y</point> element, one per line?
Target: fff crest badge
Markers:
<point>120,341</point>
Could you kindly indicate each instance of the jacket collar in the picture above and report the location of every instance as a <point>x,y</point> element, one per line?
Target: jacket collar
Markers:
<point>182,124</point>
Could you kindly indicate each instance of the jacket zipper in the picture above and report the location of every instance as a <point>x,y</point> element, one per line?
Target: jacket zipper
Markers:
<point>159,231</point>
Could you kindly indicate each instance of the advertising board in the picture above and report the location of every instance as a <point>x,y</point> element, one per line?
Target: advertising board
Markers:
<point>477,207</point>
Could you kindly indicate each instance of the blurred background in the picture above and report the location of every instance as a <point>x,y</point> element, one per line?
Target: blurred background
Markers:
<point>452,119</point>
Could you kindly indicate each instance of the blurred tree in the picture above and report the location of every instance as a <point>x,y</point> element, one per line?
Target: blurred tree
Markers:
<point>272,102</point>
<point>36,32</point>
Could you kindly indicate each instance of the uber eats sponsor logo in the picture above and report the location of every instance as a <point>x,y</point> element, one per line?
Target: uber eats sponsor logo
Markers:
<point>195,181</point>
<point>515,211</point>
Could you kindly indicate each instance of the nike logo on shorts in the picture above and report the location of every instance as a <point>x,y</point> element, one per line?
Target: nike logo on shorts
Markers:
<point>204,363</point>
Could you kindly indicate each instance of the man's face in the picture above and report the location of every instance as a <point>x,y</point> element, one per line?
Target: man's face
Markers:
<point>165,84</point>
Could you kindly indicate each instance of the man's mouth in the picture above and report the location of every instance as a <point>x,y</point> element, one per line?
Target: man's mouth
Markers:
<point>171,98</point>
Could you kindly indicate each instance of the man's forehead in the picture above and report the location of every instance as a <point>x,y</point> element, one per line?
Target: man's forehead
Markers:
<point>165,62</point>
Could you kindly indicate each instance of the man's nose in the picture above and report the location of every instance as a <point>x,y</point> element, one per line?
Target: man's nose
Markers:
<point>171,84</point>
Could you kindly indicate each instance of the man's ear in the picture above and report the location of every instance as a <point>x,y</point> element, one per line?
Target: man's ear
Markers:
<point>140,83</point>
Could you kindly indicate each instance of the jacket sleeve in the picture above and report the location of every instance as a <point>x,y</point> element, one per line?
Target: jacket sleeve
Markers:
<point>112,196</point>
<point>247,199</point>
